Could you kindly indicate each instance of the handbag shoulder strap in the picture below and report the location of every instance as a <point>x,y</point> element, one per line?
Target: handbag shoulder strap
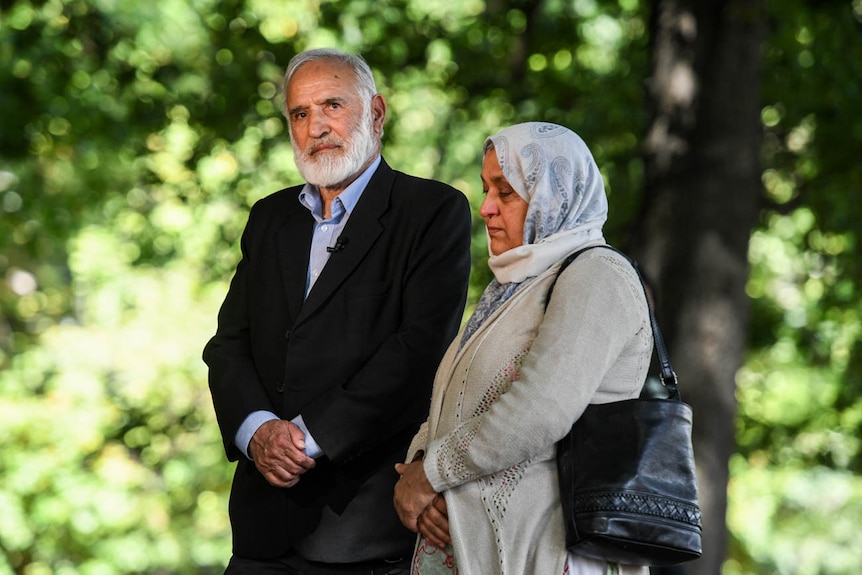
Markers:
<point>667,375</point>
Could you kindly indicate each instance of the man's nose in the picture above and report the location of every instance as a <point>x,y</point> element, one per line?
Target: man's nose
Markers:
<point>318,125</point>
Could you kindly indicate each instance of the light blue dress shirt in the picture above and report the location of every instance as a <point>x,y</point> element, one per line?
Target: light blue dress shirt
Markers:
<point>326,234</point>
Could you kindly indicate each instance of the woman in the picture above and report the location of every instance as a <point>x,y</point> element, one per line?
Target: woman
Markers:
<point>518,376</point>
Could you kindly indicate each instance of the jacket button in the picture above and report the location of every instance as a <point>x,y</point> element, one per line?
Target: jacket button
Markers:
<point>287,334</point>
<point>279,387</point>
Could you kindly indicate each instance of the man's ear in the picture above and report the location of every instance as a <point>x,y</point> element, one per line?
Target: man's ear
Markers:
<point>378,112</point>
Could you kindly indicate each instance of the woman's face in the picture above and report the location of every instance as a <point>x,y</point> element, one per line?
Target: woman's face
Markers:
<point>503,209</point>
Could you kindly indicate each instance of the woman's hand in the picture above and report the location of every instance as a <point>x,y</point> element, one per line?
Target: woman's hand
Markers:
<point>413,493</point>
<point>434,523</point>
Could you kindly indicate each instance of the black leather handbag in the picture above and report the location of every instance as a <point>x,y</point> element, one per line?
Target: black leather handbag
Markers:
<point>627,475</point>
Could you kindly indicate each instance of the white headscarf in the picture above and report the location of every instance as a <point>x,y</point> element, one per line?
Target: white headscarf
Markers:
<point>551,168</point>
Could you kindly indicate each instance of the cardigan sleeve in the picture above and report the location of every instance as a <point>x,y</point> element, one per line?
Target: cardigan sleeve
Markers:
<point>592,330</point>
<point>418,442</point>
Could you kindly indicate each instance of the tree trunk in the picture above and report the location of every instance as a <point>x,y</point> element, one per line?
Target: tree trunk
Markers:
<point>702,190</point>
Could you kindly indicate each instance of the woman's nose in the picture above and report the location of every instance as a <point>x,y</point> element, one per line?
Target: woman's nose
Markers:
<point>488,207</point>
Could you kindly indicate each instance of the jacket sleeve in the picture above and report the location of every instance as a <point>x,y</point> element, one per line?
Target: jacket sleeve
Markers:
<point>234,382</point>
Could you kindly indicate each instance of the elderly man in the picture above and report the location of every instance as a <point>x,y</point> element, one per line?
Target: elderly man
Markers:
<point>349,289</point>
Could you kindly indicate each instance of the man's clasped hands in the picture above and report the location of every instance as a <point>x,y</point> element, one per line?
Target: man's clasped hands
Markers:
<point>278,451</point>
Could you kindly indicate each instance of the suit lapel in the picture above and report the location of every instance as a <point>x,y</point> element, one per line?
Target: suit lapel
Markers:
<point>294,247</point>
<point>361,232</point>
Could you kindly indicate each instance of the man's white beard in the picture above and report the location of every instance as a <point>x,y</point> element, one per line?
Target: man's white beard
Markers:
<point>329,169</point>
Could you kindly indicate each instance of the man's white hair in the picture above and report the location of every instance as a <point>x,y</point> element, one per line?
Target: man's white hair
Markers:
<point>366,85</point>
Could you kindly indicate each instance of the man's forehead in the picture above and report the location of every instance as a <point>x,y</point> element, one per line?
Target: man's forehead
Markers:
<point>328,81</point>
<point>322,71</point>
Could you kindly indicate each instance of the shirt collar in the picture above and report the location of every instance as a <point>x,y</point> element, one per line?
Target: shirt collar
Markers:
<point>309,196</point>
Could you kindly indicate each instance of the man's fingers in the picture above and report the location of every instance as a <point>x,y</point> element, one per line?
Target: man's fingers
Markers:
<point>278,477</point>
<point>297,436</point>
<point>275,448</point>
<point>285,466</point>
<point>298,458</point>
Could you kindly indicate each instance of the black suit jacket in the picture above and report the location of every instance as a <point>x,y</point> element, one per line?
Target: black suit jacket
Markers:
<point>356,359</point>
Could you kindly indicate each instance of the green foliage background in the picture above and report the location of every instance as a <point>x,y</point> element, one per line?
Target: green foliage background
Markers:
<point>134,137</point>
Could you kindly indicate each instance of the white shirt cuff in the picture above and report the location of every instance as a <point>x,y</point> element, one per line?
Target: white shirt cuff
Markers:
<point>312,449</point>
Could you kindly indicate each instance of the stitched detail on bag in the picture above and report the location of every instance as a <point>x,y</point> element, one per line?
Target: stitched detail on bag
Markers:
<point>642,504</point>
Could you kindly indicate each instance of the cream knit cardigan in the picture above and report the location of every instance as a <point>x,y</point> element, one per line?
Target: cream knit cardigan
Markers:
<point>502,402</point>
